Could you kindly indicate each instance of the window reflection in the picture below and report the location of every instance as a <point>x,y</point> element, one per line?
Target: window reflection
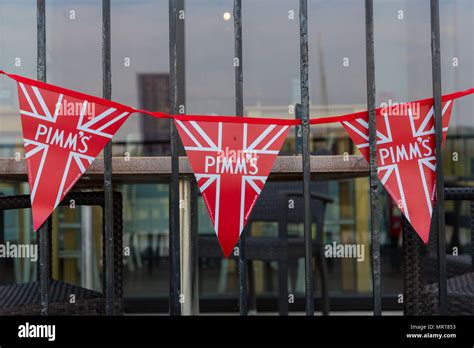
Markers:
<point>140,73</point>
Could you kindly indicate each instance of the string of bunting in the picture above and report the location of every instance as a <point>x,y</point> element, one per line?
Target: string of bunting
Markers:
<point>64,131</point>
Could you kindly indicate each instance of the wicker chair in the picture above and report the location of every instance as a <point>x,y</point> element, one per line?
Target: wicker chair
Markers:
<point>24,299</point>
<point>421,297</point>
<point>456,264</point>
<point>272,206</point>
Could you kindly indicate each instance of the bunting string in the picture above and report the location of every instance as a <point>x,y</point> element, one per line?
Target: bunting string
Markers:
<point>208,118</point>
<point>231,157</point>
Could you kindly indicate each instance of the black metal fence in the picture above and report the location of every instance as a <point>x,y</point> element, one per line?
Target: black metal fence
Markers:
<point>177,80</point>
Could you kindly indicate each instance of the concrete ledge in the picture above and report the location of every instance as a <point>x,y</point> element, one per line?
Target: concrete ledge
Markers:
<point>139,169</point>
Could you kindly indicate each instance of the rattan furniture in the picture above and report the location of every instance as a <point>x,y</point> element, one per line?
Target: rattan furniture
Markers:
<point>420,292</point>
<point>24,299</point>
<point>272,206</point>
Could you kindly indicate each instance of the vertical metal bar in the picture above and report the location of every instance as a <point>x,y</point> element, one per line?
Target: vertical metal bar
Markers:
<point>44,266</point>
<point>43,232</point>
<point>374,182</point>
<point>2,233</point>
<point>239,111</point>
<point>308,240</point>
<point>108,197</point>
<point>298,131</point>
<point>243,284</point>
<point>180,51</point>
<point>174,243</point>
<point>239,90</point>
<point>188,211</point>
<point>471,205</point>
<point>41,40</point>
<point>440,227</point>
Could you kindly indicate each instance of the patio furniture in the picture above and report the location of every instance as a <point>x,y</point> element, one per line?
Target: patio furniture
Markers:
<point>272,206</point>
<point>460,263</point>
<point>24,299</point>
<point>420,296</point>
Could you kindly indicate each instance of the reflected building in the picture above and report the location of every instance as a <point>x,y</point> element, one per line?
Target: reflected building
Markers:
<point>154,95</point>
<point>271,86</point>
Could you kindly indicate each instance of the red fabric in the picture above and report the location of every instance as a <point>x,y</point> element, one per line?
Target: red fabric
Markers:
<point>90,98</point>
<point>254,120</point>
<point>61,145</point>
<point>63,134</point>
<point>421,102</point>
<point>231,162</point>
<point>233,119</point>
<point>405,157</point>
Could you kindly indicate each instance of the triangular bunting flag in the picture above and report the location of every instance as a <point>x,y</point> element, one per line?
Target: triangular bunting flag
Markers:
<point>405,156</point>
<point>63,131</point>
<point>231,162</point>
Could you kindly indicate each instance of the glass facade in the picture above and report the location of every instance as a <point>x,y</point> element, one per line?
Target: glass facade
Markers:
<point>141,78</point>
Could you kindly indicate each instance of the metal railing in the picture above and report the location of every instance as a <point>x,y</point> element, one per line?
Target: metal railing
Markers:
<point>43,233</point>
<point>177,92</point>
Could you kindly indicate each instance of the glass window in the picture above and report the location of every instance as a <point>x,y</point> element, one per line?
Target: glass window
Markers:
<point>271,80</point>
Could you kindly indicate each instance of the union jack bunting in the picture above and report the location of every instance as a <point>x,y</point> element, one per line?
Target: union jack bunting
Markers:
<point>405,156</point>
<point>63,134</point>
<point>231,162</point>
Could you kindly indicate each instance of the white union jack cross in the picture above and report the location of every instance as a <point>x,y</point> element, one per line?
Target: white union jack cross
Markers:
<point>62,137</point>
<point>231,162</point>
<point>406,157</point>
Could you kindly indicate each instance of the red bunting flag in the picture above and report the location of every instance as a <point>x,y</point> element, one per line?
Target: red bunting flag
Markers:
<point>406,156</point>
<point>63,131</point>
<point>231,162</point>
